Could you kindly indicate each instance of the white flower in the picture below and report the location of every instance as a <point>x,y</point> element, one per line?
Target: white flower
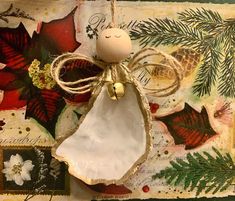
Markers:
<point>17,170</point>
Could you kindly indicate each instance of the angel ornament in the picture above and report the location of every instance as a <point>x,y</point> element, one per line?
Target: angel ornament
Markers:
<point>114,136</point>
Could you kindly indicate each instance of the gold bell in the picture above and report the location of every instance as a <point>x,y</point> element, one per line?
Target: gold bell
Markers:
<point>116,90</point>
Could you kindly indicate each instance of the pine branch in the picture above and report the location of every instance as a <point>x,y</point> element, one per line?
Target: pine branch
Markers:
<point>227,78</point>
<point>224,32</point>
<point>203,31</point>
<point>202,172</point>
<point>208,72</point>
<point>205,20</point>
<point>154,32</point>
<point>166,32</point>
<point>223,35</point>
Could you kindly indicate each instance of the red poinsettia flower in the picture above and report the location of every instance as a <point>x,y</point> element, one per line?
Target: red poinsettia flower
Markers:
<point>17,52</point>
<point>189,127</point>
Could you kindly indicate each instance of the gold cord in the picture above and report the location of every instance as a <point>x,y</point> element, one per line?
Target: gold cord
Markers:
<point>58,64</point>
<point>113,9</point>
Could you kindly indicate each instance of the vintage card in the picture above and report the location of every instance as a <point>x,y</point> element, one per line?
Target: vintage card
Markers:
<point>193,141</point>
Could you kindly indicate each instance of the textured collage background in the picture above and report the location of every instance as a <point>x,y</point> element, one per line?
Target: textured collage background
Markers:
<point>193,138</point>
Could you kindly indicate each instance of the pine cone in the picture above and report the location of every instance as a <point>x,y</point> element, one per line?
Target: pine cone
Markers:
<point>188,58</point>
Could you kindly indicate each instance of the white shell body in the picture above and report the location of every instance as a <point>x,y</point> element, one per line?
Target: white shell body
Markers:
<point>113,45</point>
<point>109,141</point>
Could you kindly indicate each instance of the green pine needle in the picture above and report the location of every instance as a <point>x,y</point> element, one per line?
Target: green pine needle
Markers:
<point>154,32</point>
<point>202,172</point>
<point>207,73</point>
<point>202,19</point>
<point>227,78</point>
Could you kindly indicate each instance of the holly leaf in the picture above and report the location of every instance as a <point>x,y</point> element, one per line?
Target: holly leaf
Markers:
<point>189,127</point>
<point>45,107</point>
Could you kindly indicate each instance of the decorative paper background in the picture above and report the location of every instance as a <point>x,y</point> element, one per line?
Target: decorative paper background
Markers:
<point>193,120</point>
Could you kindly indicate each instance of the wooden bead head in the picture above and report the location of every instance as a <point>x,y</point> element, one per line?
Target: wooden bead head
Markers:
<point>113,45</point>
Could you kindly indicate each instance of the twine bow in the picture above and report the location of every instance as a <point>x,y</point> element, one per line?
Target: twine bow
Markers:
<point>89,83</point>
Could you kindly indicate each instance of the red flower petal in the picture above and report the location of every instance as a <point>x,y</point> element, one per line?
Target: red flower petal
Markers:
<point>5,79</point>
<point>13,43</point>
<point>59,35</point>
<point>45,107</point>
<point>11,101</point>
<point>78,98</point>
<point>110,189</point>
